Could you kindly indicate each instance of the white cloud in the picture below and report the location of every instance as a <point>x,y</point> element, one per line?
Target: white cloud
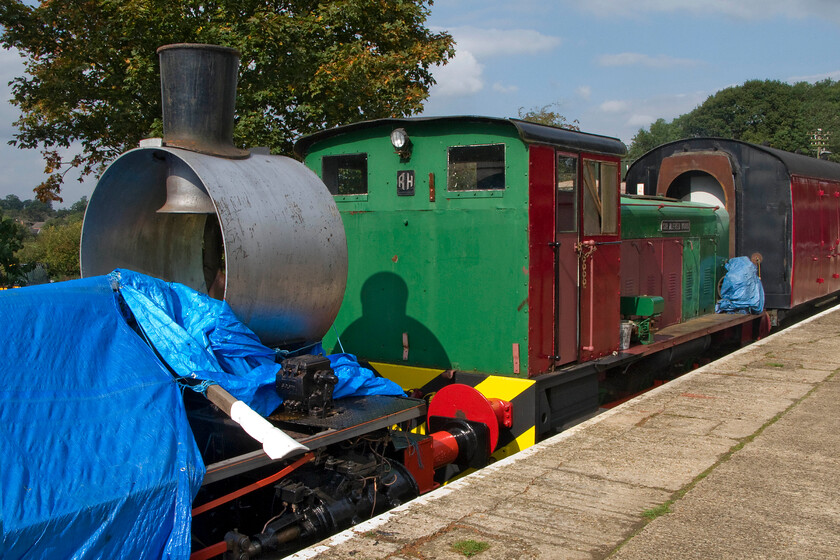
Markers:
<point>501,88</point>
<point>640,120</point>
<point>613,106</point>
<point>584,92</point>
<point>462,76</point>
<point>623,118</point>
<point>493,42</point>
<point>741,9</point>
<point>815,77</point>
<point>639,59</point>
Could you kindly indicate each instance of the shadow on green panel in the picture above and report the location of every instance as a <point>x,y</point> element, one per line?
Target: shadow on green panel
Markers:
<point>378,334</point>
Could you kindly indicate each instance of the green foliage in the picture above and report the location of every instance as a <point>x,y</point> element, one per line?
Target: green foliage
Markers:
<point>12,235</point>
<point>11,203</point>
<point>766,112</point>
<point>548,115</point>
<point>660,133</point>
<point>92,72</point>
<point>25,210</point>
<point>60,245</point>
<point>56,246</point>
<point>470,547</point>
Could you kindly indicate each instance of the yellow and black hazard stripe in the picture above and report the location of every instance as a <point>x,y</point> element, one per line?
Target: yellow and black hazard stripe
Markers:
<point>521,393</point>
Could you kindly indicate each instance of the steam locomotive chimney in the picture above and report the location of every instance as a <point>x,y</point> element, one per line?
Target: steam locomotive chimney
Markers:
<point>198,94</point>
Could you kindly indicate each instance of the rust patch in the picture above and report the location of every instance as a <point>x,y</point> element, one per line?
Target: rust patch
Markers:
<point>395,258</point>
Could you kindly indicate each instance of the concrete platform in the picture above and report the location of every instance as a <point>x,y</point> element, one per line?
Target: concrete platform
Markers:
<point>738,459</point>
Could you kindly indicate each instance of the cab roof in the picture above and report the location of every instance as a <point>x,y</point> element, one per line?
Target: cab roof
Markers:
<point>529,132</point>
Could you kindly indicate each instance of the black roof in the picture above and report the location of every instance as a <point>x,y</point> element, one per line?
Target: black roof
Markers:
<point>796,164</point>
<point>528,131</point>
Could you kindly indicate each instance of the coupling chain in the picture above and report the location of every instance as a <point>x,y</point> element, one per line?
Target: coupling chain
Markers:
<point>584,251</point>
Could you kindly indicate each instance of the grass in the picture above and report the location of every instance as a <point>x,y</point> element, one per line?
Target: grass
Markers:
<point>653,513</point>
<point>470,547</point>
<point>775,364</point>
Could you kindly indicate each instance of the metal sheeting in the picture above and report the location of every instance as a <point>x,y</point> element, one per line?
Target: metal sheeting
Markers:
<point>285,253</point>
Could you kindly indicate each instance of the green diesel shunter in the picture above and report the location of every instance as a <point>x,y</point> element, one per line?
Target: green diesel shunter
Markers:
<point>676,250</point>
<point>495,253</point>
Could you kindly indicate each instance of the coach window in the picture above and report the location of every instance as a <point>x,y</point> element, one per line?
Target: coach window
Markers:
<point>474,168</point>
<point>346,174</point>
<point>600,202</point>
<point>566,193</point>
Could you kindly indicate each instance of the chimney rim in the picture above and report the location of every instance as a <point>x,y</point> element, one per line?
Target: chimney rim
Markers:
<point>201,46</point>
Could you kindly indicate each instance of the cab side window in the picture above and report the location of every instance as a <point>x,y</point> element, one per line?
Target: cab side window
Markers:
<point>566,193</point>
<point>600,197</point>
<point>345,174</point>
<point>474,168</point>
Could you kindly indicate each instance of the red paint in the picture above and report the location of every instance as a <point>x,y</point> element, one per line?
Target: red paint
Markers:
<point>251,487</point>
<point>503,411</point>
<point>444,449</point>
<point>653,267</point>
<point>599,312</point>
<point>541,226</point>
<point>465,402</point>
<point>815,229</point>
<point>419,460</point>
<point>210,552</point>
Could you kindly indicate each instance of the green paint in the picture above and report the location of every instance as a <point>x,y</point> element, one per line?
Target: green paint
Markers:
<point>705,234</point>
<point>642,306</point>
<point>450,273</point>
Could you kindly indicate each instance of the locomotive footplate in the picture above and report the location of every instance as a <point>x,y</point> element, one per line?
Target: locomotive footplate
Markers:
<point>353,416</point>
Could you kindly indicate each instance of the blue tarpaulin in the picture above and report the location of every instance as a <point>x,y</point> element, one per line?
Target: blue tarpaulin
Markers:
<point>99,460</point>
<point>741,290</point>
<point>98,457</point>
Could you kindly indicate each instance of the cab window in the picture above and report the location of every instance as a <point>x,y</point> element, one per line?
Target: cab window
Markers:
<point>474,168</point>
<point>600,197</point>
<point>345,174</point>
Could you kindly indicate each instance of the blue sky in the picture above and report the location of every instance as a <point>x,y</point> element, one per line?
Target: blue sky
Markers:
<point>615,66</point>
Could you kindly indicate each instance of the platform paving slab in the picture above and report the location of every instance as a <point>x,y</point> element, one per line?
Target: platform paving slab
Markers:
<point>744,451</point>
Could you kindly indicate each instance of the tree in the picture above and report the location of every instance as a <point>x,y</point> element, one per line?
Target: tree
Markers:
<point>92,72</point>
<point>12,235</point>
<point>768,112</point>
<point>547,115</point>
<point>11,203</point>
<point>660,133</point>
<point>57,248</point>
